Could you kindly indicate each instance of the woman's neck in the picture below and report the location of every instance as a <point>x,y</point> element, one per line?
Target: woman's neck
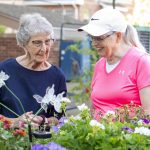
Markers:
<point>119,53</point>
<point>31,64</point>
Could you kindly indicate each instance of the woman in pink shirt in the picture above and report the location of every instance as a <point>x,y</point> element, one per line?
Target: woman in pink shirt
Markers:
<point>122,74</point>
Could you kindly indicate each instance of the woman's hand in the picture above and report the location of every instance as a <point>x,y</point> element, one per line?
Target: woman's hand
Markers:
<point>27,118</point>
<point>21,121</point>
<point>35,121</point>
<point>52,121</point>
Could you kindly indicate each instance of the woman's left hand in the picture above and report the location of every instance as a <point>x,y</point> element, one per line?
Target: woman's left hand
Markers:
<point>53,120</point>
<point>35,119</point>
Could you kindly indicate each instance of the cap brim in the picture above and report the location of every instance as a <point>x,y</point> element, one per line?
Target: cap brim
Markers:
<point>93,30</point>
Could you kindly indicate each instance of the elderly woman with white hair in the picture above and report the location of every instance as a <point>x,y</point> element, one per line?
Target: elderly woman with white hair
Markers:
<point>31,73</point>
<point>122,74</point>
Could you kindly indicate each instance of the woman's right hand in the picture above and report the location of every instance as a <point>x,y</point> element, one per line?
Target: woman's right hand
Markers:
<point>23,120</point>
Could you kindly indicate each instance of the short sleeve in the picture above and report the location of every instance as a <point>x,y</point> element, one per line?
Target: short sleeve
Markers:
<point>143,71</point>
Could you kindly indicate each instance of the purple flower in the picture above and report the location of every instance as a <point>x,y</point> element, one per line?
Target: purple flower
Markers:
<point>128,129</point>
<point>62,120</point>
<point>54,146</point>
<point>51,146</point>
<point>60,125</point>
<point>55,129</point>
<point>39,147</point>
<point>146,121</point>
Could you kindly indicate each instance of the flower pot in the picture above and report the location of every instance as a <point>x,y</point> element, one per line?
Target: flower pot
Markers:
<point>41,134</point>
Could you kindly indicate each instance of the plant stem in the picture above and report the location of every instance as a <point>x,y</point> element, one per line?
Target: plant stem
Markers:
<point>64,111</point>
<point>16,98</point>
<point>30,133</point>
<point>18,101</point>
<point>9,109</point>
<point>37,113</point>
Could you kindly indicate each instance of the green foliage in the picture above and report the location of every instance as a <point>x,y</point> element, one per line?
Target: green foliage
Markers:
<point>78,134</point>
<point>2,29</point>
<point>9,141</point>
<point>74,140</point>
<point>83,82</point>
<point>82,132</point>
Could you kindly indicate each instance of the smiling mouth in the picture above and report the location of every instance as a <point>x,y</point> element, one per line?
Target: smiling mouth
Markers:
<point>41,55</point>
<point>100,49</point>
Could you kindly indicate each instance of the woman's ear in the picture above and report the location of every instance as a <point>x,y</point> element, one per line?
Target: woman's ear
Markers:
<point>119,37</point>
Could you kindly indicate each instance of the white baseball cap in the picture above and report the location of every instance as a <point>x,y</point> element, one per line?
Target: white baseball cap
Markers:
<point>105,20</point>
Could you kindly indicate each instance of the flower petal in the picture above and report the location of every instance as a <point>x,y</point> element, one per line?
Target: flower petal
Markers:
<point>44,106</point>
<point>57,106</point>
<point>38,98</point>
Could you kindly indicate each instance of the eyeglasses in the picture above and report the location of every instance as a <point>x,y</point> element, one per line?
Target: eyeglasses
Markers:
<point>102,37</point>
<point>39,43</point>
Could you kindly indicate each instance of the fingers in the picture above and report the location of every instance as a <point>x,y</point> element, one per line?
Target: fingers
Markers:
<point>34,125</point>
<point>27,118</point>
<point>30,117</point>
<point>53,120</point>
<point>29,113</point>
<point>36,119</point>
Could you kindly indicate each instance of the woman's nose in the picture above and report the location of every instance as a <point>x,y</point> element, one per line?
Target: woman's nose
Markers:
<point>95,44</point>
<point>43,46</point>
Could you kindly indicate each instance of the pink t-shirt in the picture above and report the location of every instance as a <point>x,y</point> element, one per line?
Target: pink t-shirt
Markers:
<point>122,84</point>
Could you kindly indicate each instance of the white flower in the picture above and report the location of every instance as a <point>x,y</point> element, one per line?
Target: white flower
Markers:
<point>51,98</point>
<point>50,95</point>
<point>48,98</point>
<point>65,99</point>
<point>3,77</point>
<point>66,120</point>
<point>97,124</point>
<point>76,117</point>
<point>82,107</point>
<point>142,130</point>
<point>140,122</point>
<point>57,102</point>
<point>109,113</point>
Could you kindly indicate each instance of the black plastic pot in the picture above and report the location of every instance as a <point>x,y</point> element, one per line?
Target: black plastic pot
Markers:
<point>41,134</point>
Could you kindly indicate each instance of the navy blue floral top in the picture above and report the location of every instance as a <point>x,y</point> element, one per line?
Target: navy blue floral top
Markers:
<point>25,83</point>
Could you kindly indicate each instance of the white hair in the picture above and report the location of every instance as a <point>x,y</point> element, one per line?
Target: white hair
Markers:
<point>31,24</point>
<point>131,38</point>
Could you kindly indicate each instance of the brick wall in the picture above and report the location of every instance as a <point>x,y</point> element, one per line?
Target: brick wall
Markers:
<point>9,49</point>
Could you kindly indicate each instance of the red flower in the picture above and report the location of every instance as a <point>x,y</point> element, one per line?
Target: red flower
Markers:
<point>1,117</point>
<point>87,90</point>
<point>19,132</point>
<point>6,122</point>
<point>7,126</point>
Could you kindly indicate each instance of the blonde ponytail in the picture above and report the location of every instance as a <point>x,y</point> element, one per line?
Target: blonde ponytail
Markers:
<point>131,38</point>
